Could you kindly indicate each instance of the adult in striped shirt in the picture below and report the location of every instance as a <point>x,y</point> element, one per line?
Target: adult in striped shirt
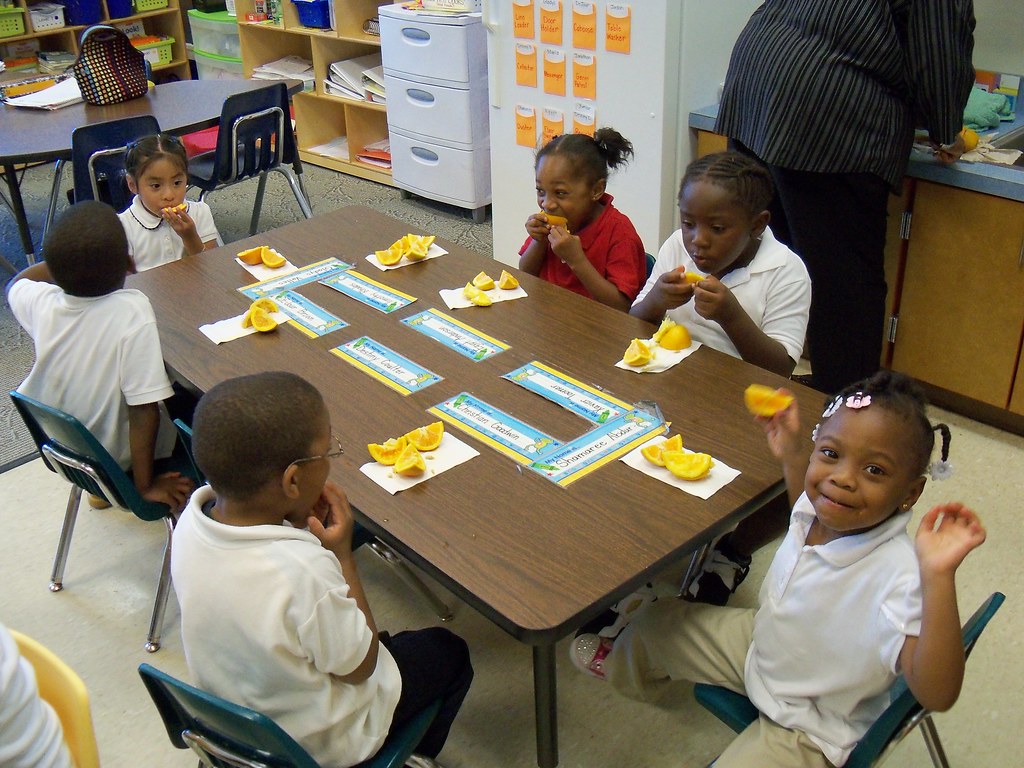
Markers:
<point>827,93</point>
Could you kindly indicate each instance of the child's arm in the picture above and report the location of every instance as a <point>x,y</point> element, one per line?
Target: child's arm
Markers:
<point>532,259</point>
<point>170,488</point>
<point>933,662</point>
<point>567,247</point>
<point>185,227</point>
<point>786,443</point>
<point>38,273</point>
<point>714,301</point>
<point>669,291</point>
<point>331,521</point>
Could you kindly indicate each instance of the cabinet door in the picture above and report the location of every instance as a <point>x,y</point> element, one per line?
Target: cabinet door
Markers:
<point>708,142</point>
<point>1017,400</point>
<point>962,305</point>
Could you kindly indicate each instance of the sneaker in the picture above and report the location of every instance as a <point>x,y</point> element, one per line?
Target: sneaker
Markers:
<point>588,653</point>
<point>98,502</point>
<point>724,570</point>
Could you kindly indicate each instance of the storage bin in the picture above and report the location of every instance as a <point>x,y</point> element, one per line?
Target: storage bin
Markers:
<point>157,52</point>
<point>118,9</point>
<point>314,13</point>
<point>215,33</point>
<point>82,13</point>
<point>12,22</point>
<point>429,48</point>
<point>458,115</point>
<point>218,67</point>
<point>449,174</point>
<point>141,6</point>
<point>46,16</point>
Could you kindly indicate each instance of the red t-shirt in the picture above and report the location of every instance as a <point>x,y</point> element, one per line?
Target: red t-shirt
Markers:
<point>611,245</point>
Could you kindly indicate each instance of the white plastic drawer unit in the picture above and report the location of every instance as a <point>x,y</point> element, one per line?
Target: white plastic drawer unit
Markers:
<point>434,111</point>
<point>440,172</point>
<point>429,51</point>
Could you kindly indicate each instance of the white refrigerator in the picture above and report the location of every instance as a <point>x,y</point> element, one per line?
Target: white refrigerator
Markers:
<point>639,66</point>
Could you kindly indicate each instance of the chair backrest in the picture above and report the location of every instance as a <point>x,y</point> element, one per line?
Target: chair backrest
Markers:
<point>72,451</point>
<point>97,153</point>
<point>63,690</point>
<point>185,437</point>
<point>649,262</point>
<point>255,133</point>
<point>228,735</point>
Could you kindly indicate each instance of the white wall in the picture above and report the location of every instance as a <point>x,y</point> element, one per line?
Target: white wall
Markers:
<point>998,40</point>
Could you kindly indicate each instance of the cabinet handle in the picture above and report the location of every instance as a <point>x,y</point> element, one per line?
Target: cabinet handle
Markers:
<point>416,36</point>
<point>425,155</point>
<point>419,95</point>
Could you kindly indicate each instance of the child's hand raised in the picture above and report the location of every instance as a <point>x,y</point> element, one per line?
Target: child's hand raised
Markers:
<point>946,535</point>
<point>783,429</point>
<point>185,227</point>
<point>672,289</point>
<point>567,247</point>
<point>331,520</point>
<point>712,300</point>
<point>537,227</point>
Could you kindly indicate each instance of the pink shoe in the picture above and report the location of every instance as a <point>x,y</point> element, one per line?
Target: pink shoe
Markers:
<point>588,653</point>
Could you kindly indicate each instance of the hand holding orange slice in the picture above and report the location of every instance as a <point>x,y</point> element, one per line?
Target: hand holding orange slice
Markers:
<point>556,221</point>
<point>765,401</point>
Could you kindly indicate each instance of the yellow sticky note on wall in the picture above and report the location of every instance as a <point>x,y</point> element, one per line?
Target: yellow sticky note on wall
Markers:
<point>554,72</point>
<point>552,124</point>
<point>584,76</point>
<point>584,118</point>
<point>526,64</point>
<point>617,27</point>
<point>584,25</point>
<point>526,126</point>
<point>551,22</point>
<point>522,19</point>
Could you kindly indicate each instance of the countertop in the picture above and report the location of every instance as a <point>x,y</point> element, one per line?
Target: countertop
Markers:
<point>988,178</point>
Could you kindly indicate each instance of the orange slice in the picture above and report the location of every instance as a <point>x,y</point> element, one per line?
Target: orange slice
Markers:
<point>388,452</point>
<point>665,325</point>
<point>252,256</point>
<point>415,250</point>
<point>765,401</point>
<point>261,320</point>
<point>675,338</point>
<point>692,278</point>
<point>476,296</point>
<point>390,257</point>
<point>247,318</point>
<point>176,208</point>
<point>265,304</point>
<point>654,453</point>
<point>410,462</point>
<point>483,281</point>
<point>637,354</point>
<point>271,259</point>
<point>507,282</point>
<point>426,438</point>
<point>557,221</point>
<point>688,466</point>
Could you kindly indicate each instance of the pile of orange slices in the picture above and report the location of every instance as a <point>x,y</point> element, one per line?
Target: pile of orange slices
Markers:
<point>411,247</point>
<point>262,254</point>
<point>670,454</point>
<point>258,315</point>
<point>405,453</point>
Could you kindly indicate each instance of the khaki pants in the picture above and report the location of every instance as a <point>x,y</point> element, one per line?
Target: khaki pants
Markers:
<point>673,640</point>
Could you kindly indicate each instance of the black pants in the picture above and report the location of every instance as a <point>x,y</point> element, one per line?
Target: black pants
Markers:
<point>836,223</point>
<point>434,664</point>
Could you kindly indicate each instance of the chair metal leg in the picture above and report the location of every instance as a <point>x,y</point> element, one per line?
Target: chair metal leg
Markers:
<point>58,173</point>
<point>64,545</point>
<point>932,741</point>
<point>258,204</point>
<point>693,569</point>
<point>297,190</point>
<point>163,589</point>
<point>392,558</point>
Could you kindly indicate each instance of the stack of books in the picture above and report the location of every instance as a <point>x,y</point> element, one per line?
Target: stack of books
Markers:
<point>54,62</point>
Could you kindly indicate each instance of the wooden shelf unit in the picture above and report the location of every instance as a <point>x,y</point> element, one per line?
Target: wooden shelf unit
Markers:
<point>320,117</point>
<point>164,21</point>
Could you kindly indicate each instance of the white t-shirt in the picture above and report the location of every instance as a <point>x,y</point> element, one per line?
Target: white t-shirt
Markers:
<point>267,622</point>
<point>30,732</point>
<point>95,357</point>
<point>774,290</point>
<point>152,242</point>
<point>830,627</point>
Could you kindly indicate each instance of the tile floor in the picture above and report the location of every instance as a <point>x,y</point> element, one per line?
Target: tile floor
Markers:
<point>98,625</point>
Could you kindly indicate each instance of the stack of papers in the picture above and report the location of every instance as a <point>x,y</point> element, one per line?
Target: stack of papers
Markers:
<point>55,62</point>
<point>62,94</point>
<point>377,154</point>
<point>290,67</point>
<point>345,78</point>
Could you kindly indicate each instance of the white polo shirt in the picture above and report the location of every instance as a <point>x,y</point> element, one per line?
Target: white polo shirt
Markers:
<point>774,290</point>
<point>831,624</point>
<point>152,242</point>
<point>94,358</point>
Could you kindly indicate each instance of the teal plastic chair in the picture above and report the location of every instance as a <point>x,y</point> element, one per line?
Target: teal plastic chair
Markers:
<point>903,714</point>
<point>71,450</point>
<point>227,735</point>
<point>649,261</point>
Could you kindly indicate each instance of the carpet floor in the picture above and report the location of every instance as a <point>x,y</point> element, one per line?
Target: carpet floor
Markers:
<point>232,210</point>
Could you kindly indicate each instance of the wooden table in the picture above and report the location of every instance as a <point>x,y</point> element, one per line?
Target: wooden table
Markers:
<point>535,558</point>
<point>39,135</point>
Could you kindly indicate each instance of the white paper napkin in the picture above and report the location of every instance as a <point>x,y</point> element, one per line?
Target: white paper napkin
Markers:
<point>450,453</point>
<point>433,252</point>
<point>661,359</point>
<point>721,474</point>
<point>231,328</point>
<point>261,272</point>
<point>455,299</point>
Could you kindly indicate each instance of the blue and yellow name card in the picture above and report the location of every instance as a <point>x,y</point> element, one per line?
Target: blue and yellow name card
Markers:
<point>387,366</point>
<point>464,339</point>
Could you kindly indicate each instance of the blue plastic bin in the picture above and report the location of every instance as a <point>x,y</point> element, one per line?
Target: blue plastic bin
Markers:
<point>82,13</point>
<point>314,13</point>
<point>118,9</point>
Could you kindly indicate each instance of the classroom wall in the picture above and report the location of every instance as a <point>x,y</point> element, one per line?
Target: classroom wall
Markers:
<point>998,40</point>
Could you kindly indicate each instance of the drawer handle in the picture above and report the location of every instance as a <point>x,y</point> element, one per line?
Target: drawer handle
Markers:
<point>416,36</point>
<point>419,95</point>
<point>420,153</point>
